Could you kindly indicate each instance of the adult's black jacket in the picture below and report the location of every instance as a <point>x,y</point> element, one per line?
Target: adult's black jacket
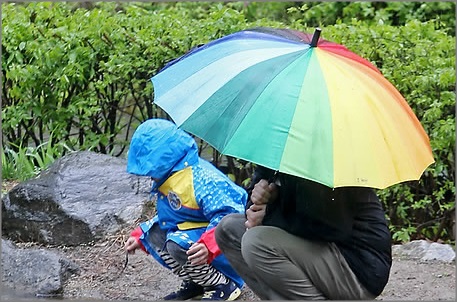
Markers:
<point>351,217</point>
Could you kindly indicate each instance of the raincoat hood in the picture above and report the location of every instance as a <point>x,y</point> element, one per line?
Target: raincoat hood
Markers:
<point>158,148</point>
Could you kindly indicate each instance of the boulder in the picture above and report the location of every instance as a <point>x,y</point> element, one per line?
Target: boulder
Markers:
<point>36,271</point>
<point>425,251</point>
<point>80,198</point>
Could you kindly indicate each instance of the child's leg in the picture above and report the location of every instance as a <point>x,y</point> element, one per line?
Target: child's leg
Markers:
<point>157,239</point>
<point>177,252</point>
<point>204,275</point>
<point>197,279</point>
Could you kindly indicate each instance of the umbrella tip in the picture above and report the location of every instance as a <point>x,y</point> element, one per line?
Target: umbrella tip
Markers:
<point>316,35</point>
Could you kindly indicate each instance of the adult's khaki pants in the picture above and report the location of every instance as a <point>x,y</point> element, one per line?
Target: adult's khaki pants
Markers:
<point>279,266</point>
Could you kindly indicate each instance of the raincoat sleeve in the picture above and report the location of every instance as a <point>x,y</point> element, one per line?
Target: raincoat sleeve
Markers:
<point>137,233</point>
<point>216,204</point>
<point>217,197</point>
<point>209,240</point>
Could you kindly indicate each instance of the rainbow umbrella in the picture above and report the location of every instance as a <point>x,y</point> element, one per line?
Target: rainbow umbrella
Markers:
<point>296,103</point>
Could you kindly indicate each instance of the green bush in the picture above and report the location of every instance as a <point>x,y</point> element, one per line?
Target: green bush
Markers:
<point>81,71</point>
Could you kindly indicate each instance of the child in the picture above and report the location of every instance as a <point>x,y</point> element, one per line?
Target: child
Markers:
<point>192,197</point>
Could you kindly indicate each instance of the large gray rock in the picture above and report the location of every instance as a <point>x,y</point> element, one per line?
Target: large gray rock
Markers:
<point>36,271</point>
<point>82,197</point>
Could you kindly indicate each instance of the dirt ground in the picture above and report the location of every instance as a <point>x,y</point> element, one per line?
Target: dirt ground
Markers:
<point>102,277</point>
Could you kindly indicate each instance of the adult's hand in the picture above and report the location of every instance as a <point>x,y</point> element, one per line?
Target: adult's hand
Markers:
<point>254,215</point>
<point>264,192</point>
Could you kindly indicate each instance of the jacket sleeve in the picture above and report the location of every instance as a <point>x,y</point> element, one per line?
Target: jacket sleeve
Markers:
<point>137,233</point>
<point>311,210</point>
<point>209,240</point>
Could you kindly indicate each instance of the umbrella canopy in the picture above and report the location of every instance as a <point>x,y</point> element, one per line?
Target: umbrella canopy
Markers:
<point>296,103</point>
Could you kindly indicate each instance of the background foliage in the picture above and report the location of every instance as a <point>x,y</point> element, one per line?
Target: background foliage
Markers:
<point>76,77</point>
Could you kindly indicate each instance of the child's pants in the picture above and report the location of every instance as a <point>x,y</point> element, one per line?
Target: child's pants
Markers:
<point>176,258</point>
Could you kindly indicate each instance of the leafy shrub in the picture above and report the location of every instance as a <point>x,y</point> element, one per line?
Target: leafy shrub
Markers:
<point>82,72</point>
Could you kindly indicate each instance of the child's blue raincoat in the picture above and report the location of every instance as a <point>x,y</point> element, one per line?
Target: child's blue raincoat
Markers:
<point>192,195</point>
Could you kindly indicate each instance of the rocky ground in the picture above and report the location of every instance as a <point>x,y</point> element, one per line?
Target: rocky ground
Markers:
<point>102,277</point>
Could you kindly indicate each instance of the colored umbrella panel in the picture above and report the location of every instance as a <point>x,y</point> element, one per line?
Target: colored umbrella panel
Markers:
<point>310,109</point>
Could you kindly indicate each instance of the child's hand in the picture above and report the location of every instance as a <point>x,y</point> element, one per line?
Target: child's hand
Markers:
<point>198,254</point>
<point>131,245</point>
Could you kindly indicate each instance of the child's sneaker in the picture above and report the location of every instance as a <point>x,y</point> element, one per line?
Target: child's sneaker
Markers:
<point>226,292</point>
<point>187,290</point>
